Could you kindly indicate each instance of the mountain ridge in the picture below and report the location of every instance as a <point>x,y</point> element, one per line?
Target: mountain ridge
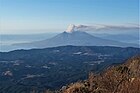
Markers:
<point>124,78</point>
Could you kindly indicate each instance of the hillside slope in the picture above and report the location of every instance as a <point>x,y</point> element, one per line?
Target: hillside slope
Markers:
<point>123,78</point>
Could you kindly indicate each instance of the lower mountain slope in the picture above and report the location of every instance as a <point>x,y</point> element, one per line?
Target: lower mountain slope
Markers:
<point>22,71</point>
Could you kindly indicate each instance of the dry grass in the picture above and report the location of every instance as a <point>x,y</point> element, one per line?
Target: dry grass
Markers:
<point>121,79</point>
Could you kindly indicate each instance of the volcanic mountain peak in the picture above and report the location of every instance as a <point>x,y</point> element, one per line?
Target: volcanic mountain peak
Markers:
<point>76,37</point>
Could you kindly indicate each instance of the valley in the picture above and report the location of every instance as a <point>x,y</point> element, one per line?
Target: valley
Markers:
<point>52,68</point>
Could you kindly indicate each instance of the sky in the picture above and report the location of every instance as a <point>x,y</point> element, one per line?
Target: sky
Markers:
<point>41,16</point>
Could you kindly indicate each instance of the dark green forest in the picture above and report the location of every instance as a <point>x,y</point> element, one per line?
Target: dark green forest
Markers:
<point>22,71</point>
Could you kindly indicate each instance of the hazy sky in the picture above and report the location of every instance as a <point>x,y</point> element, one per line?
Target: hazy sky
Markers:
<point>39,16</point>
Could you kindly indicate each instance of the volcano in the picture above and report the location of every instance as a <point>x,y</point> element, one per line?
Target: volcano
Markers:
<point>75,38</point>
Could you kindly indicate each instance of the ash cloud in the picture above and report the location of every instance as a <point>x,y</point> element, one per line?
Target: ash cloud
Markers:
<point>100,27</point>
